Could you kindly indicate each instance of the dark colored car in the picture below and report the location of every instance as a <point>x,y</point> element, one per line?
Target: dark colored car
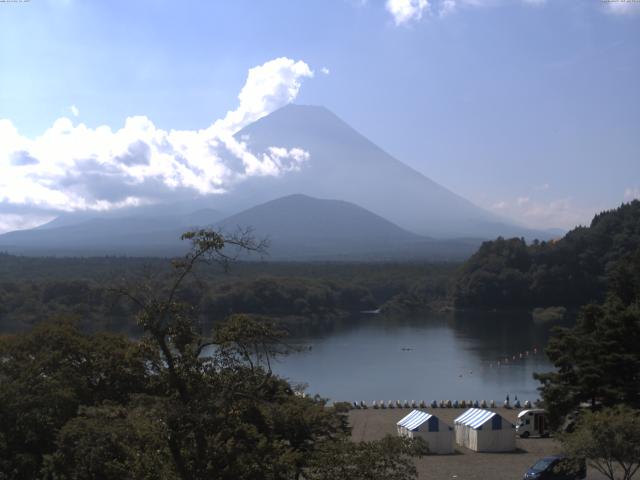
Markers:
<point>557,467</point>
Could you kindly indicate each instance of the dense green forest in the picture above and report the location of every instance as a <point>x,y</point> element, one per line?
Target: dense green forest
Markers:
<point>568,272</point>
<point>504,273</point>
<point>302,295</point>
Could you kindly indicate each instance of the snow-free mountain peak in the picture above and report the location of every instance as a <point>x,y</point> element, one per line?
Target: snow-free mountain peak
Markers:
<point>373,195</point>
<point>343,164</point>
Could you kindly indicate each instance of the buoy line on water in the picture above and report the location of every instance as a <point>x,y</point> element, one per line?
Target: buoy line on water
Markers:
<point>507,359</point>
<point>502,361</point>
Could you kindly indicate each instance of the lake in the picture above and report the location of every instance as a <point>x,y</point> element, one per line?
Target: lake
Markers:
<point>447,356</point>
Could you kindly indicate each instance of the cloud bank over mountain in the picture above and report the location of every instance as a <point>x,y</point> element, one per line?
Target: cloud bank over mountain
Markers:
<point>74,167</point>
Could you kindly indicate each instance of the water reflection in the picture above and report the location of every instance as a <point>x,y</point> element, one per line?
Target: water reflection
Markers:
<point>449,356</point>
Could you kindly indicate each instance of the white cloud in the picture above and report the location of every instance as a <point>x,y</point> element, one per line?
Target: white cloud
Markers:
<point>73,167</point>
<point>556,213</point>
<point>268,87</point>
<point>325,70</point>
<point>632,193</point>
<point>622,7</point>
<point>405,11</point>
<point>74,110</point>
<point>447,7</point>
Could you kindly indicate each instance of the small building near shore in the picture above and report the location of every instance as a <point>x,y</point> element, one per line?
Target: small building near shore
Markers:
<point>437,434</point>
<point>484,431</point>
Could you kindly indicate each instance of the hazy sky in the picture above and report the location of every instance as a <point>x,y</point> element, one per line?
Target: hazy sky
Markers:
<point>529,108</point>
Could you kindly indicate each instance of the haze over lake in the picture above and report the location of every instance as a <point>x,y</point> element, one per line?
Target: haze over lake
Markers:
<point>443,356</point>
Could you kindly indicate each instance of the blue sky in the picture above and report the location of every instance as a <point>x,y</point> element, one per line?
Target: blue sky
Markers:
<point>528,108</point>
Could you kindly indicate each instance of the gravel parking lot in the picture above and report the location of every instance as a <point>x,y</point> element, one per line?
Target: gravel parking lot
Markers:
<point>464,464</point>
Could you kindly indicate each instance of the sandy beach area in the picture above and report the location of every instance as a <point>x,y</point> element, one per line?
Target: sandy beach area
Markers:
<point>464,464</point>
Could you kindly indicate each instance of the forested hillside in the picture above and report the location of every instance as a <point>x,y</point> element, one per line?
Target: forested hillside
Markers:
<point>301,294</point>
<point>571,271</point>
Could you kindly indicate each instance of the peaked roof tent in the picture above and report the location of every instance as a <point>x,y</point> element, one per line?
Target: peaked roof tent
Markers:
<point>475,417</point>
<point>414,419</point>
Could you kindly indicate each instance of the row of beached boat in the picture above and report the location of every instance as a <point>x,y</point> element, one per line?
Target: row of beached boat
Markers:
<point>441,404</point>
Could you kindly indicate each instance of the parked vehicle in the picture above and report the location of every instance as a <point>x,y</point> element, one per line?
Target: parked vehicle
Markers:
<point>532,422</point>
<point>557,467</point>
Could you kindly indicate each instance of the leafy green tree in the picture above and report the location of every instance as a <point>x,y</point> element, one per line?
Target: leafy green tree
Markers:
<point>598,361</point>
<point>111,441</point>
<point>609,440</point>
<point>387,459</point>
<point>226,415</point>
<point>46,375</point>
<point>174,405</point>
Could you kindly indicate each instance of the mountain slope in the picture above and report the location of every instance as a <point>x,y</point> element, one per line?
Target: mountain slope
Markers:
<point>298,227</point>
<point>303,228</point>
<point>342,165</point>
<point>134,235</point>
<point>303,217</point>
<point>345,165</point>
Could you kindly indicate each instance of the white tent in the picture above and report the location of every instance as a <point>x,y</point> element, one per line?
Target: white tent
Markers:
<point>437,434</point>
<point>484,431</point>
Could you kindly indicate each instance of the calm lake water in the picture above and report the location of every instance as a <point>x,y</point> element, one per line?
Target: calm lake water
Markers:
<point>453,356</point>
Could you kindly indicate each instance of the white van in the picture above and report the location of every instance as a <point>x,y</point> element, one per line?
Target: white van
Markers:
<point>532,422</point>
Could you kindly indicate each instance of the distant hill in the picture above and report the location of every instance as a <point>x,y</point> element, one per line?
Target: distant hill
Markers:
<point>177,213</point>
<point>300,227</point>
<point>134,235</point>
<point>300,217</point>
<point>572,271</point>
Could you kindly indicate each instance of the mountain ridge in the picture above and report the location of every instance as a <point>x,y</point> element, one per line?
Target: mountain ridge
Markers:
<point>300,228</point>
<point>343,165</point>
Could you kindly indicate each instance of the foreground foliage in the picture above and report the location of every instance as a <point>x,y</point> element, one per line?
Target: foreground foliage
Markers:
<point>598,360</point>
<point>175,405</point>
<point>47,375</point>
<point>388,459</point>
<point>609,440</point>
<point>594,394</point>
